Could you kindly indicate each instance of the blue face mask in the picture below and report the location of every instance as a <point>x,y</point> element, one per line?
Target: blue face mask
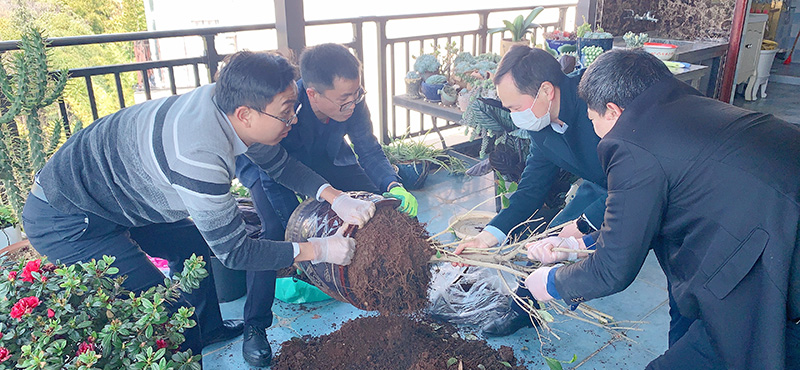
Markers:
<point>526,120</point>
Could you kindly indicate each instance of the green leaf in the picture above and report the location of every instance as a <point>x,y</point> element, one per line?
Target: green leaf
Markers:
<point>546,316</point>
<point>451,361</point>
<point>506,363</point>
<point>112,271</point>
<point>552,363</point>
<point>438,254</point>
<point>534,13</point>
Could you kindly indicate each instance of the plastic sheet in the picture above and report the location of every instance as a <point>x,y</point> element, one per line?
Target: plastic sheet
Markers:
<point>468,295</point>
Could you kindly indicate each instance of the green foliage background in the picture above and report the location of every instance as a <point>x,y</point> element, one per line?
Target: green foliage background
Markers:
<point>75,18</point>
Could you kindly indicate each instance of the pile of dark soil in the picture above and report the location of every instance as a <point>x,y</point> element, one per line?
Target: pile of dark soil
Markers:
<point>390,342</point>
<point>389,272</point>
<point>26,253</point>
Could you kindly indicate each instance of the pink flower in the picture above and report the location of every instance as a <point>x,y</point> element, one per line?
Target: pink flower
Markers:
<point>4,354</point>
<point>31,266</point>
<point>161,344</point>
<point>50,313</point>
<point>24,306</point>
<point>12,275</point>
<point>85,347</point>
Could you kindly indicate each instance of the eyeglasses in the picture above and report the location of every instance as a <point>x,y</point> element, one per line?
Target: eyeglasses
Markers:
<point>286,121</point>
<point>349,105</point>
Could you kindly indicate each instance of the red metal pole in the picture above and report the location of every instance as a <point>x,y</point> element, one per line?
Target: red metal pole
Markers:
<point>729,71</point>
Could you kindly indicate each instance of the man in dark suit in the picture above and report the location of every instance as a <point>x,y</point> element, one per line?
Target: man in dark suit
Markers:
<point>714,191</point>
<point>545,102</point>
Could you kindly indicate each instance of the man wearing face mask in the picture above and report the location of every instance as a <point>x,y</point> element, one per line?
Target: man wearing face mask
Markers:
<point>544,101</point>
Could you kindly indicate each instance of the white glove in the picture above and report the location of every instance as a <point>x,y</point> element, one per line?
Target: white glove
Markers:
<point>536,283</point>
<point>337,249</point>
<point>351,210</point>
<point>542,250</point>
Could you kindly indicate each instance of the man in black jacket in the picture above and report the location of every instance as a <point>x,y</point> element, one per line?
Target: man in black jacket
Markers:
<point>714,191</point>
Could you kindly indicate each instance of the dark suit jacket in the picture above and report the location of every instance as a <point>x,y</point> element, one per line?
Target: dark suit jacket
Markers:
<point>311,139</point>
<point>575,151</point>
<point>713,189</point>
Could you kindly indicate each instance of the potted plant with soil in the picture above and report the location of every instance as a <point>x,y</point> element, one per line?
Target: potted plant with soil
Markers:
<point>10,232</point>
<point>431,87</point>
<point>414,160</point>
<point>587,37</point>
<point>413,82</point>
<point>519,29</point>
<point>561,41</point>
<point>635,41</point>
<point>449,94</point>
<point>427,65</point>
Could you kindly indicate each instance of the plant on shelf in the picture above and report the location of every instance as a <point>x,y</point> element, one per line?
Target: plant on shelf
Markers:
<point>414,160</point>
<point>431,87</point>
<point>519,29</point>
<point>633,41</point>
<point>413,82</point>
<point>449,93</point>
<point>427,65</point>
<point>598,37</point>
<point>560,41</point>
<point>80,317</point>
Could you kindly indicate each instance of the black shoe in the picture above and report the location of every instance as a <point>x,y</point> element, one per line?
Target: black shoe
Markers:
<point>507,324</point>
<point>230,329</point>
<point>255,348</point>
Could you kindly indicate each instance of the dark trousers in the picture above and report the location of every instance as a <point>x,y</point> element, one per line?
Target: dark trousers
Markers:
<point>70,238</point>
<point>274,203</point>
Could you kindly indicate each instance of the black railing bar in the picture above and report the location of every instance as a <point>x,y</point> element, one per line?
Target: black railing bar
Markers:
<point>135,36</point>
<point>130,67</point>
<point>429,15</point>
<point>62,106</point>
<point>196,70</point>
<point>120,92</point>
<point>172,88</point>
<point>92,102</point>
<point>146,83</point>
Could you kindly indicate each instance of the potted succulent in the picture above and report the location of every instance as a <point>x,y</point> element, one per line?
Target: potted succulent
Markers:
<point>587,37</point>
<point>414,160</point>
<point>413,82</point>
<point>9,227</point>
<point>561,41</point>
<point>449,94</point>
<point>427,65</point>
<point>431,87</point>
<point>634,41</point>
<point>519,29</point>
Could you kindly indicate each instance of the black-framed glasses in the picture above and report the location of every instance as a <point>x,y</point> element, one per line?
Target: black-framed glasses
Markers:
<point>349,105</point>
<point>286,121</point>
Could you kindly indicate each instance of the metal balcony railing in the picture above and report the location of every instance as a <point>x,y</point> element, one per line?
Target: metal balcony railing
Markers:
<point>391,56</point>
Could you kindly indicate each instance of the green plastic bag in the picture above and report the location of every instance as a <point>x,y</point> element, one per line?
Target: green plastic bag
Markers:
<point>292,290</point>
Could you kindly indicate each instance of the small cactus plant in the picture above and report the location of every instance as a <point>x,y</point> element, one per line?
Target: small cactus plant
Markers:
<point>436,80</point>
<point>427,63</point>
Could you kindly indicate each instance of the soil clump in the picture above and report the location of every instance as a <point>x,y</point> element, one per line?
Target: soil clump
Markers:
<point>392,342</point>
<point>389,272</point>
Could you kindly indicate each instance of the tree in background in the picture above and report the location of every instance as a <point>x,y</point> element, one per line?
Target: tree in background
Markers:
<point>74,18</point>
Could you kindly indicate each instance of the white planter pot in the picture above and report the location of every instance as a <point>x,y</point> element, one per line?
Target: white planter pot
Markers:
<point>10,235</point>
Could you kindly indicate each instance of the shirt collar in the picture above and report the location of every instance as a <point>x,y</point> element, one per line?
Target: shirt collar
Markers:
<point>559,128</point>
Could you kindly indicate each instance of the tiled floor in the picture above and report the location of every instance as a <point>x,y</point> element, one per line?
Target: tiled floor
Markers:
<point>595,348</point>
<point>783,93</point>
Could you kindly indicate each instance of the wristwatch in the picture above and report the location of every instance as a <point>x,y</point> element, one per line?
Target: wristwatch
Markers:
<point>584,226</point>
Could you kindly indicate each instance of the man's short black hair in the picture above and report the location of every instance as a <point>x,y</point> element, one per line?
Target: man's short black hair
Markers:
<point>252,80</point>
<point>321,64</point>
<point>529,68</point>
<point>619,76</point>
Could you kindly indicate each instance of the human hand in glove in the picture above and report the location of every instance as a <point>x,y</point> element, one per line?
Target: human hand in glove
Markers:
<point>409,202</point>
<point>543,250</point>
<point>353,211</point>
<point>484,239</point>
<point>337,248</point>
<point>536,283</point>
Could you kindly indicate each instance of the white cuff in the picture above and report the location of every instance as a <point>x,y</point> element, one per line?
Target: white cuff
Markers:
<point>296,247</point>
<point>320,190</point>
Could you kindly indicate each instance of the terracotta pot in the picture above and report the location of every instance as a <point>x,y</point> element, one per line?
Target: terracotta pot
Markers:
<point>506,44</point>
<point>313,219</point>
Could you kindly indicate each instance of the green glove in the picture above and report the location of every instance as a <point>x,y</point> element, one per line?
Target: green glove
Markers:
<point>409,202</point>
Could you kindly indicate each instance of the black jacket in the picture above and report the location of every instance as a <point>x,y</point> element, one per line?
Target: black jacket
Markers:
<point>714,190</point>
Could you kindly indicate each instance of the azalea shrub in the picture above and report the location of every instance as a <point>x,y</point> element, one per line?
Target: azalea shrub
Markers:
<point>80,317</point>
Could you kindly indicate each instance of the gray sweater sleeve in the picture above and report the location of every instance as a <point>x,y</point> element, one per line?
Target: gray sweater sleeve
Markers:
<point>285,169</point>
